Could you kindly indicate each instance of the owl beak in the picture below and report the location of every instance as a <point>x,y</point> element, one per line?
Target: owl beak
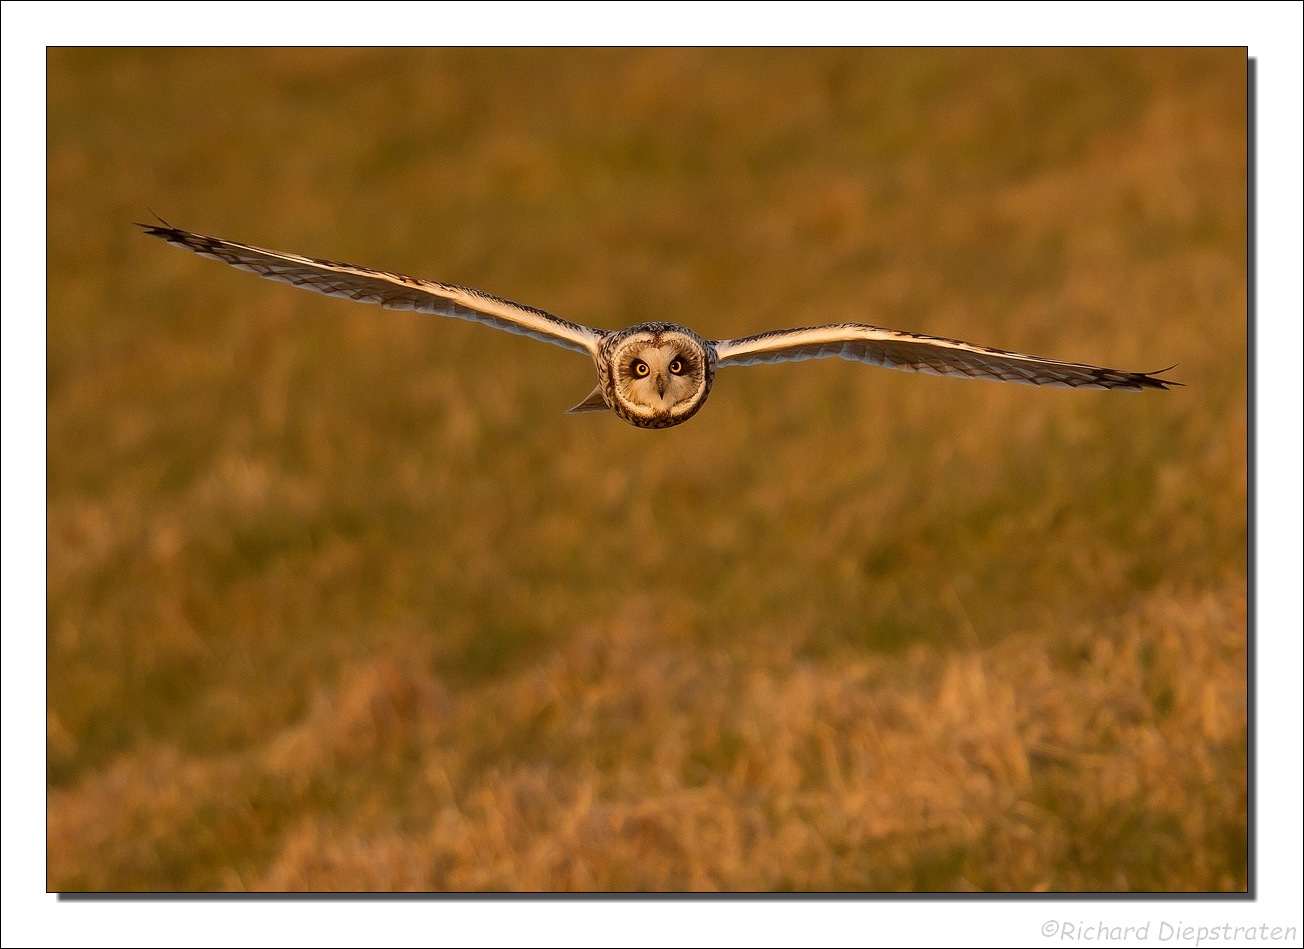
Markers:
<point>661,384</point>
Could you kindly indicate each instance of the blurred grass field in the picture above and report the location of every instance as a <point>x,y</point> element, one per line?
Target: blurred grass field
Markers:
<point>338,598</point>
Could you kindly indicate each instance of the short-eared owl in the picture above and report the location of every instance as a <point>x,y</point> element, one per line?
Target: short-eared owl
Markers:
<point>655,375</point>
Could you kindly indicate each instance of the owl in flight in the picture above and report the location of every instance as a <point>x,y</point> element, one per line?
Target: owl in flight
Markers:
<point>655,375</point>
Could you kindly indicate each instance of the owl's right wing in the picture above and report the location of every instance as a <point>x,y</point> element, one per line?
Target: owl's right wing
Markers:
<point>392,290</point>
<point>935,355</point>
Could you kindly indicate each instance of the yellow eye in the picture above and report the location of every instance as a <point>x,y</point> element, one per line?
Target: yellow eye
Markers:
<point>640,367</point>
<point>676,366</point>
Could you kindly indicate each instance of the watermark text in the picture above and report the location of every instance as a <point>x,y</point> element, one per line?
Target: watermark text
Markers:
<point>1174,932</point>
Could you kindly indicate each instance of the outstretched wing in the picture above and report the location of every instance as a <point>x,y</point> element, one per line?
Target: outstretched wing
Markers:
<point>935,355</point>
<point>392,290</point>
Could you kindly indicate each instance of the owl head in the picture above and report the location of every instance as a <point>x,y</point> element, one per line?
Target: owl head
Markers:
<point>658,374</point>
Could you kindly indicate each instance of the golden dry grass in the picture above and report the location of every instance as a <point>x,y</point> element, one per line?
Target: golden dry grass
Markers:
<point>339,599</point>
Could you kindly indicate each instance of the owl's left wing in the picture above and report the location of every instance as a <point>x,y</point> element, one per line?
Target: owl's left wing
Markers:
<point>392,290</point>
<point>931,354</point>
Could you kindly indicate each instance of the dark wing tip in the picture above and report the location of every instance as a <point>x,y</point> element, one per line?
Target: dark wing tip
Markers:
<point>1149,380</point>
<point>162,229</point>
<point>157,230</point>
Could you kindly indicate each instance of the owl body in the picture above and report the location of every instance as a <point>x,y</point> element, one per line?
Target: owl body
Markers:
<point>657,375</point>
